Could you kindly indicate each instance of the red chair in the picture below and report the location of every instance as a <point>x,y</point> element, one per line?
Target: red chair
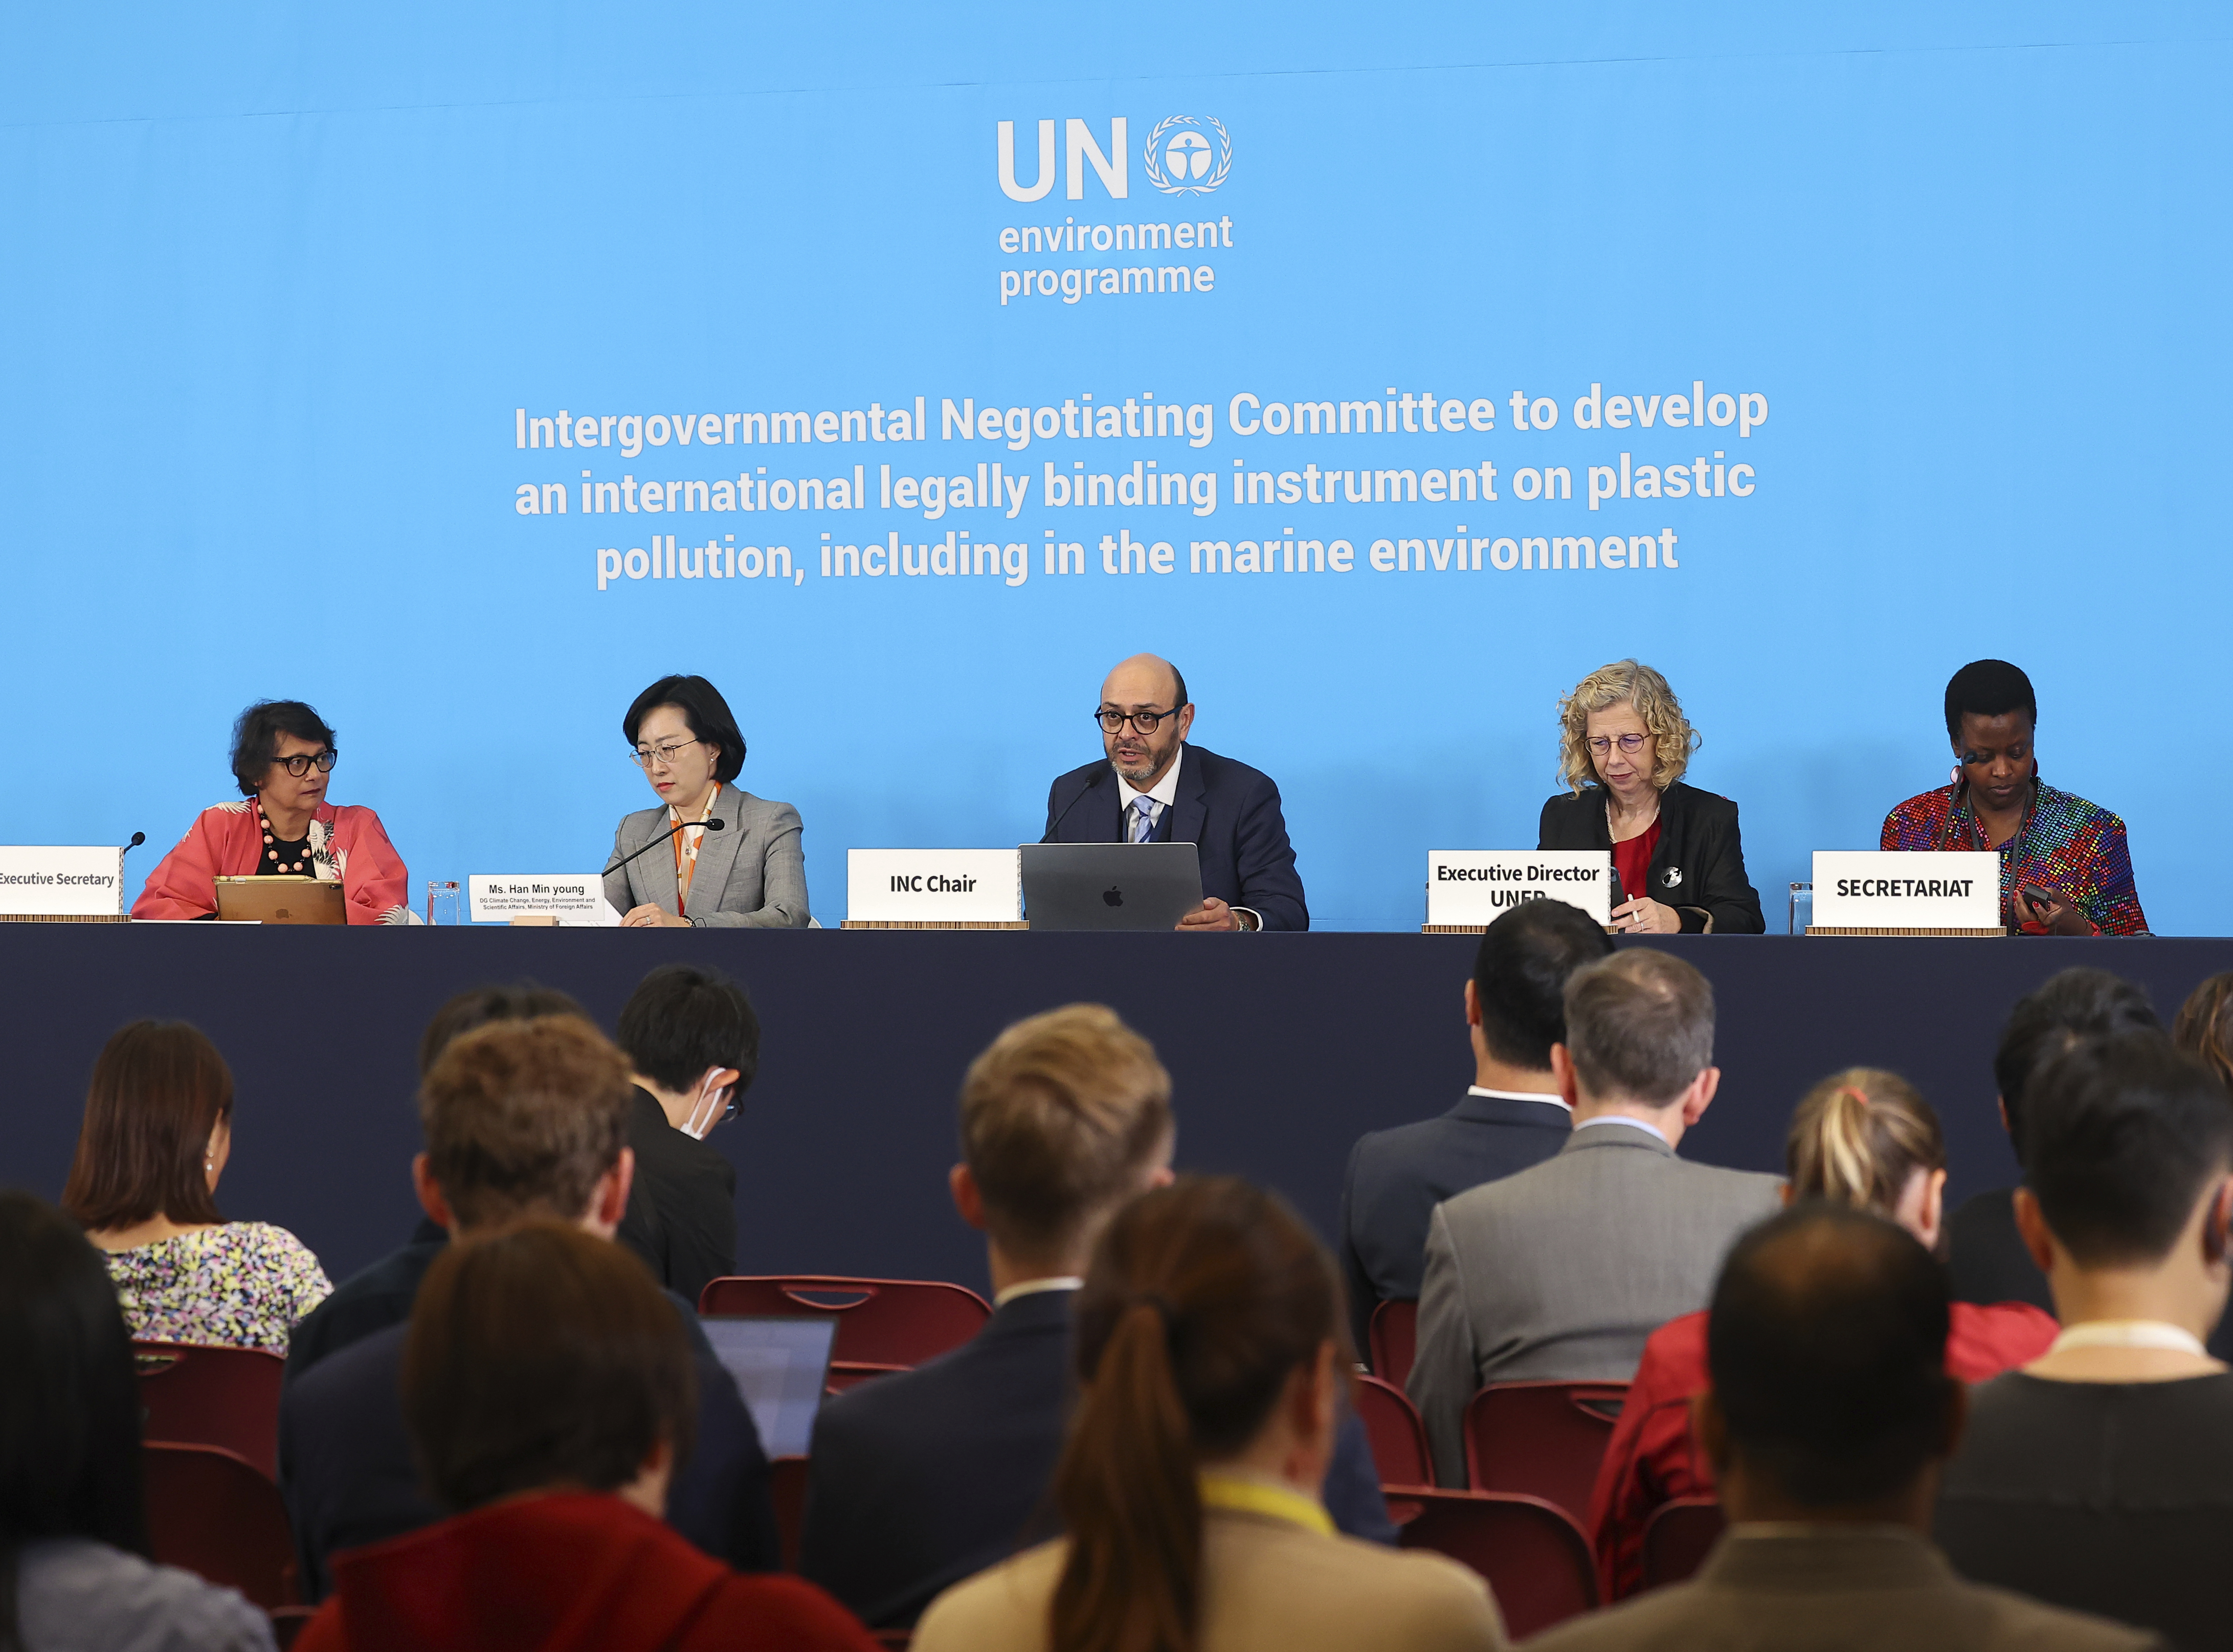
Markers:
<point>1544,1439</point>
<point>1399,1439</point>
<point>1535,1557</point>
<point>1678,1538</point>
<point>883,1324</point>
<point>287,1623</point>
<point>195,1396</point>
<point>1394,1335</point>
<point>214,1514</point>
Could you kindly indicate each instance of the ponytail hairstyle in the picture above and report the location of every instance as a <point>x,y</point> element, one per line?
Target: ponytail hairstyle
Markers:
<point>1859,1137</point>
<point>1202,1298</point>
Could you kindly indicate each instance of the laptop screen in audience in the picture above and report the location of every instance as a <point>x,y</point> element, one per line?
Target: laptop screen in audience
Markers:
<point>780,1365</point>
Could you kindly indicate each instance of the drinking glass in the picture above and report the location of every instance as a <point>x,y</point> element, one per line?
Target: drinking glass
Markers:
<point>443,904</point>
<point>1802,909</point>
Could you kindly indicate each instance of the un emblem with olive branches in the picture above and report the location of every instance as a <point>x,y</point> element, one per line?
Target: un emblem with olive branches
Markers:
<point>1189,154</point>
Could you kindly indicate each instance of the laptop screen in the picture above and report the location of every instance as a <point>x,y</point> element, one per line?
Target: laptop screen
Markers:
<point>780,1365</point>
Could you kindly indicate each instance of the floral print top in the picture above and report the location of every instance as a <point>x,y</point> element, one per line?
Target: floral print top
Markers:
<point>238,1285</point>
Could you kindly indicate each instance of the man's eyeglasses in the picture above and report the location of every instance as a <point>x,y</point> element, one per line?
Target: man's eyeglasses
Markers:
<point>1111,719</point>
<point>658,756</point>
<point>302,762</point>
<point>1630,743</point>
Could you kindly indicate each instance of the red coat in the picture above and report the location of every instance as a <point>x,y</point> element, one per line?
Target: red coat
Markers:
<point>347,842</point>
<point>566,1571</point>
<point>1652,1459</point>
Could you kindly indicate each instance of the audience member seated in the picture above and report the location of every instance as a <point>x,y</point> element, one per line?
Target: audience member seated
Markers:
<point>74,1566</point>
<point>158,1131</point>
<point>693,1045</point>
<point>2205,1027</point>
<point>523,1120</point>
<point>1863,1138</point>
<point>548,1391</point>
<point>1829,1420</point>
<point>920,1478</point>
<point>2101,1475</point>
<point>1511,1117</point>
<point>1559,1273</point>
<point>381,1296</point>
<point>1211,1355</point>
<point>1985,1254</point>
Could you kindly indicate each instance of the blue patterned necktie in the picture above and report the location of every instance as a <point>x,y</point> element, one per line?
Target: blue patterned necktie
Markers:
<point>1143,819</point>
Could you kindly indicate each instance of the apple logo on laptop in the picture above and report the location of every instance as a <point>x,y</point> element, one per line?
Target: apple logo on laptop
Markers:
<point>1113,896</point>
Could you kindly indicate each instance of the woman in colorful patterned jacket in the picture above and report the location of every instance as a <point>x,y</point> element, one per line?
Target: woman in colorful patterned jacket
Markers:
<point>2065,867</point>
<point>281,826</point>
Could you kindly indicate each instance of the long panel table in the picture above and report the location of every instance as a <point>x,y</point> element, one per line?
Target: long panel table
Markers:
<point>1283,1048</point>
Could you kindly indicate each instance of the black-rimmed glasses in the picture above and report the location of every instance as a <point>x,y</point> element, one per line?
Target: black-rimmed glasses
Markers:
<point>1111,719</point>
<point>302,762</point>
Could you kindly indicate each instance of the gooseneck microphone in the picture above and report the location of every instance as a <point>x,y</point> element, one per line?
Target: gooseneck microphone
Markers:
<point>713,825</point>
<point>138,838</point>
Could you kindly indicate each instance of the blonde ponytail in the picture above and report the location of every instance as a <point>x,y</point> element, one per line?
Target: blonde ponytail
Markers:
<point>1860,1137</point>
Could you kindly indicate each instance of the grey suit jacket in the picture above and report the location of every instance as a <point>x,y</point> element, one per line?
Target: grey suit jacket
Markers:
<point>752,874</point>
<point>1831,1590</point>
<point>1560,1272</point>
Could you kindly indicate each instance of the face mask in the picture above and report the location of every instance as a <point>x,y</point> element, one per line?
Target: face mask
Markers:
<point>710,1107</point>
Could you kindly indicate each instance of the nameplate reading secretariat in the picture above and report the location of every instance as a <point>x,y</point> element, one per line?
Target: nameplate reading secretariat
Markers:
<point>61,882</point>
<point>933,888</point>
<point>1876,892</point>
<point>576,899</point>
<point>1470,888</point>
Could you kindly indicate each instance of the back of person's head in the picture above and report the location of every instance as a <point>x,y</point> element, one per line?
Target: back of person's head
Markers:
<point>2204,1026</point>
<point>1519,978</point>
<point>522,1117</point>
<point>69,1427</point>
<point>1061,1118</point>
<point>1203,1299</point>
<point>478,1005</point>
<point>542,1358</point>
<point>1639,1026</point>
<point>1988,688</point>
<point>2124,1133</point>
<point>1859,1137</point>
<point>2066,1010</point>
<point>1826,1342</point>
<point>158,1088</point>
<point>682,1021</point>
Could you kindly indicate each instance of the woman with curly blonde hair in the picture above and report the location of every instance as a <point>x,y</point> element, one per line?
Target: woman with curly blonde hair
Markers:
<point>1679,860</point>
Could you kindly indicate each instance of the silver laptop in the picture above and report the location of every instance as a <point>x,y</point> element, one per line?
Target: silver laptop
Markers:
<point>780,1364</point>
<point>1110,885</point>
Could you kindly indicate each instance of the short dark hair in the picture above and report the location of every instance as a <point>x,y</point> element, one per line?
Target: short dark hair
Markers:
<point>704,709</point>
<point>478,1005</point>
<point>158,1088</point>
<point>256,737</point>
<point>542,1356</point>
<point>1179,677</point>
<point>522,1117</point>
<point>2068,1009</point>
<point>1519,978</point>
<point>2204,1025</point>
<point>1639,1024</point>
<point>1988,688</point>
<point>2125,1132</point>
<point>681,1020</point>
<point>69,1435</point>
<point>1826,1342</point>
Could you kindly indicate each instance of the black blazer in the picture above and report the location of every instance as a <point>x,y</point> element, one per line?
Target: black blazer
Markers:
<point>1396,1177</point>
<point>920,1478</point>
<point>1698,866</point>
<point>681,1214</point>
<point>1227,810</point>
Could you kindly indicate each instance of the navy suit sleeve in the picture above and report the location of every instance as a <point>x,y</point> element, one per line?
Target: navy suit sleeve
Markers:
<point>1352,1485</point>
<point>721,1500</point>
<point>1269,883</point>
<point>1047,836</point>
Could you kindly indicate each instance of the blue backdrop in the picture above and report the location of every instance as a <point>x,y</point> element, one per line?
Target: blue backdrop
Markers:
<point>283,290</point>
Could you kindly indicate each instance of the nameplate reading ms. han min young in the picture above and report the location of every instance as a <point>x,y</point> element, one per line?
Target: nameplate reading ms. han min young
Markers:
<point>1468,890</point>
<point>1883,892</point>
<point>568,899</point>
<point>933,888</point>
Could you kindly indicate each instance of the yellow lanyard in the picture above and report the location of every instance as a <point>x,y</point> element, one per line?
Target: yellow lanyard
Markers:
<point>1249,1496</point>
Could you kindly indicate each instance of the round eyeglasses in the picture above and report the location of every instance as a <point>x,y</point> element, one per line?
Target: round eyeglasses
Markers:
<point>302,762</point>
<point>1630,743</point>
<point>1111,719</point>
<point>658,756</point>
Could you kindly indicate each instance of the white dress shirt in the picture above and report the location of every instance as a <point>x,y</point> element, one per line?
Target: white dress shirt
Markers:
<point>1165,792</point>
<point>1550,1096</point>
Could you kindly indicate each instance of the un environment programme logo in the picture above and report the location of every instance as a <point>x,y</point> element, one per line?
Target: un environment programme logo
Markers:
<point>1185,158</point>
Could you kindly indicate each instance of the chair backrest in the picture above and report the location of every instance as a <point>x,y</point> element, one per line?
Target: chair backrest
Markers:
<point>787,1490</point>
<point>212,1514</point>
<point>883,1324</point>
<point>194,1396</point>
<point>1534,1556</point>
<point>1678,1538</point>
<point>1399,1439</point>
<point>287,1623</point>
<point>1545,1439</point>
<point>1394,1335</point>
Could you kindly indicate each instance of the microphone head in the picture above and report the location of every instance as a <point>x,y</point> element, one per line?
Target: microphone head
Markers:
<point>715,824</point>
<point>138,838</point>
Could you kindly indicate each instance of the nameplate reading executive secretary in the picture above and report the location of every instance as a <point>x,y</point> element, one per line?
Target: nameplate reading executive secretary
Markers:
<point>1155,788</point>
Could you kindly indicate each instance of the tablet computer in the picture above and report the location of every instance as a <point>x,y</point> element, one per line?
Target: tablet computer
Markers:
<point>780,1364</point>
<point>281,900</point>
<point>1110,885</point>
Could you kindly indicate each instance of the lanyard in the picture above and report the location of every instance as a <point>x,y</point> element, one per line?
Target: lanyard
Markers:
<point>1250,1496</point>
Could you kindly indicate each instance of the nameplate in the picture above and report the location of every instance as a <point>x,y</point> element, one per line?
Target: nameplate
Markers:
<point>61,883</point>
<point>1894,892</point>
<point>933,888</point>
<point>576,899</point>
<point>1470,888</point>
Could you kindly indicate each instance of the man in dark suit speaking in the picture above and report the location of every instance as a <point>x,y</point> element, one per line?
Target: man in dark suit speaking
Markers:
<point>1156,788</point>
